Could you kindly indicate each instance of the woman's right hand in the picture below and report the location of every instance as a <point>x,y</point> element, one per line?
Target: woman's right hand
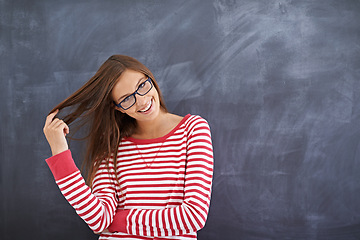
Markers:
<point>55,131</point>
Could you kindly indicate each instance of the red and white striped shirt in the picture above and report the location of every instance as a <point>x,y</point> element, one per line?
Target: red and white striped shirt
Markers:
<point>163,191</point>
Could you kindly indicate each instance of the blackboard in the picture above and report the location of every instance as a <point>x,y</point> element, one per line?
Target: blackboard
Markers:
<point>278,82</point>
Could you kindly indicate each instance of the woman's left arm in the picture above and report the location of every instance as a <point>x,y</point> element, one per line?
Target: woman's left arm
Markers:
<point>191,215</point>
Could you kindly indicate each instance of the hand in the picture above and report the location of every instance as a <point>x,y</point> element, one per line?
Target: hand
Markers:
<point>104,231</point>
<point>55,131</point>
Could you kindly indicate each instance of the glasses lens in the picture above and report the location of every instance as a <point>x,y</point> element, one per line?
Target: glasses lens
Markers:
<point>145,87</point>
<point>128,102</point>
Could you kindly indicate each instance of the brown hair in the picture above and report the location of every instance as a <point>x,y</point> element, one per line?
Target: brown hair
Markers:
<point>93,105</point>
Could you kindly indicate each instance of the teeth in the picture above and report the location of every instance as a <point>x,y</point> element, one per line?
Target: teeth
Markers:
<point>147,108</point>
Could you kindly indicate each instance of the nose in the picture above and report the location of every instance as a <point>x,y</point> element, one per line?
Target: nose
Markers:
<point>141,100</point>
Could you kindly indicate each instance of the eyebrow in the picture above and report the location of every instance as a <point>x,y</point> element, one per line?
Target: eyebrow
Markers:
<point>137,85</point>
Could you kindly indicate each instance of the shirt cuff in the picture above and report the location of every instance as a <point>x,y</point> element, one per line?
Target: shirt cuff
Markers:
<point>119,222</point>
<point>62,165</point>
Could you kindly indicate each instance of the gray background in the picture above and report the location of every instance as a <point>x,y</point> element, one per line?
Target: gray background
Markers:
<point>278,82</point>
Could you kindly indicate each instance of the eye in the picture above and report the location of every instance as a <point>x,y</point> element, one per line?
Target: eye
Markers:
<point>142,85</point>
<point>127,99</point>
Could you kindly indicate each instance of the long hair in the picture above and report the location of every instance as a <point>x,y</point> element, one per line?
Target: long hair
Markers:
<point>93,105</point>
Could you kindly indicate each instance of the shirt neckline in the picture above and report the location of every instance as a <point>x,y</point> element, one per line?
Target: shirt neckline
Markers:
<point>159,139</point>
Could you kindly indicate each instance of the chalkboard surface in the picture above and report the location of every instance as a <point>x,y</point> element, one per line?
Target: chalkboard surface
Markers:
<point>278,82</point>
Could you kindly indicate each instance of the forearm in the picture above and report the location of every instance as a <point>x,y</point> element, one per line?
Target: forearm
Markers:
<point>96,211</point>
<point>158,223</point>
<point>188,217</point>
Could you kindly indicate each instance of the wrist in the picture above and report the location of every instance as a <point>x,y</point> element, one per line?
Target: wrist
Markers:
<point>56,151</point>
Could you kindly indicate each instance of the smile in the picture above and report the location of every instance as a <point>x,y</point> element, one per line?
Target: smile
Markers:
<point>147,107</point>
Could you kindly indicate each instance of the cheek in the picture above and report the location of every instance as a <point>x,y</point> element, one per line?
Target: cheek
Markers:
<point>155,93</point>
<point>119,109</point>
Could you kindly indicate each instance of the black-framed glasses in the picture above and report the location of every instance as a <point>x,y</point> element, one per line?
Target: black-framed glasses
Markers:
<point>130,100</point>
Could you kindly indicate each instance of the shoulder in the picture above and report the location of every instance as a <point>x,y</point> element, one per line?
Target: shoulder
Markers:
<point>198,131</point>
<point>193,122</point>
<point>195,119</point>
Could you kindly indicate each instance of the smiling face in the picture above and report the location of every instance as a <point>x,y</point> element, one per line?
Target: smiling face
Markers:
<point>147,107</point>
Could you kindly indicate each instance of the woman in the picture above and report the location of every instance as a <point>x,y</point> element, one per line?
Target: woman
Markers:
<point>149,171</point>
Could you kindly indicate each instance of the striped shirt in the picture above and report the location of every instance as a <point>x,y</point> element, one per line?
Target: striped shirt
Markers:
<point>163,190</point>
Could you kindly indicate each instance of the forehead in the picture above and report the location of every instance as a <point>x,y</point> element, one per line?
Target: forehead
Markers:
<point>127,83</point>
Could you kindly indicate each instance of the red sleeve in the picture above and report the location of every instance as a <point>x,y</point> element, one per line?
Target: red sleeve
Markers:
<point>120,221</point>
<point>61,165</point>
<point>96,207</point>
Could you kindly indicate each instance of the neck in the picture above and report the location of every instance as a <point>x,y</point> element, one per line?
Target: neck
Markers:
<point>152,128</point>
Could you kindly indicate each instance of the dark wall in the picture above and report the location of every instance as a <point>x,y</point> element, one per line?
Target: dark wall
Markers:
<point>278,81</point>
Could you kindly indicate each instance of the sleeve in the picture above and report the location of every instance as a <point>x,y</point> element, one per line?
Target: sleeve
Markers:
<point>192,214</point>
<point>96,208</point>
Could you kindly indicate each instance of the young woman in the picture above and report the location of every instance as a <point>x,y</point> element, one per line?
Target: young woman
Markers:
<point>149,171</point>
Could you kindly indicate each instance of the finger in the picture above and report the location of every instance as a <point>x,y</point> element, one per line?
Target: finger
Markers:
<point>55,123</point>
<point>50,117</point>
<point>51,125</point>
<point>67,129</point>
<point>59,124</point>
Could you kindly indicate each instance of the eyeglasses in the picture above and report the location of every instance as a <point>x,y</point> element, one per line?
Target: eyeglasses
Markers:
<point>130,100</point>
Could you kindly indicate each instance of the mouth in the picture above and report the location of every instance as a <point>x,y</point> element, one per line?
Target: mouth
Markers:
<point>147,108</point>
